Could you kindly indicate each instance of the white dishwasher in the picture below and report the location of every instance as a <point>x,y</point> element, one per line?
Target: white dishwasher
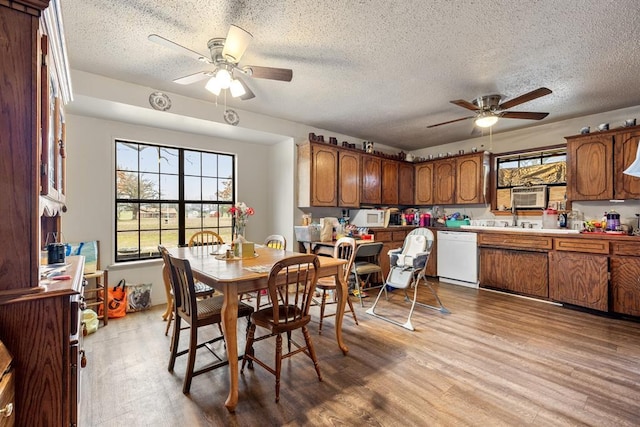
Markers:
<point>458,258</point>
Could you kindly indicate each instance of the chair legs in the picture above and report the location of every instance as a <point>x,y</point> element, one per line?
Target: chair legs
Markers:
<point>323,305</point>
<point>249,356</point>
<point>408,325</point>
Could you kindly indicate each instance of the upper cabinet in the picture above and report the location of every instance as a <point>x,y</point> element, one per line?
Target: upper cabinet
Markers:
<point>444,182</point>
<point>328,176</point>
<point>596,162</point>
<point>389,182</point>
<point>371,188</point>
<point>470,179</point>
<point>406,183</point>
<point>424,183</point>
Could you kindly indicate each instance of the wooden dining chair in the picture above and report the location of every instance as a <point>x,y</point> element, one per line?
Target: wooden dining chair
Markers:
<point>196,313</point>
<point>295,279</point>
<point>345,248</point>
<point>201,290</point>
<point>276,241</point>
<point>365,265</point>
<point>205,238</point>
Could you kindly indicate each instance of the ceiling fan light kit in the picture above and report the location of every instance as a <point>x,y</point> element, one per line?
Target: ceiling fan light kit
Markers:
<point>486,119</point>
<point>488,108</point>
<point>225,54</point>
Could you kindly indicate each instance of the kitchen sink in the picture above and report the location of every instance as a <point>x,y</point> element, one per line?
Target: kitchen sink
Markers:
<point>520,229</point>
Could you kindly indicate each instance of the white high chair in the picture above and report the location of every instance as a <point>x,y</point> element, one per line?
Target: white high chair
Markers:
<point>408,265</point>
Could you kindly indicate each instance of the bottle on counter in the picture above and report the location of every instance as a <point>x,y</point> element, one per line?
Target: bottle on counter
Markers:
<point>403,219</point>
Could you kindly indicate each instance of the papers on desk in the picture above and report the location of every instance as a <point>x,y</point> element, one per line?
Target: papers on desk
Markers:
<point>265,268</point>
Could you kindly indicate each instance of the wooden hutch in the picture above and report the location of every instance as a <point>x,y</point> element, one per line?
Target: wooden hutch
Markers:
<point>39,320</point>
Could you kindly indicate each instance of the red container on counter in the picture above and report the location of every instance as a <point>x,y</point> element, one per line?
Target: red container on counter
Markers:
<point>425,220</point>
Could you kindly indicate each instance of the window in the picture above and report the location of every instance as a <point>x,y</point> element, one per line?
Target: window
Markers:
<point>166,194</point>
<point>547,166</point>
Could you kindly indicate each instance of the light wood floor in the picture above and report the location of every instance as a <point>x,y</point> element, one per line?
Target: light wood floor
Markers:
<point>496,360</point>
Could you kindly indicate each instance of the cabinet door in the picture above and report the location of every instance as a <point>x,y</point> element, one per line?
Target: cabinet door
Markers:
<point>349,179</point>
<point>389,182</point>
<point>324,176</point>
<point>405,184</point>
<point>625,285</point>
<point>444,176</point>
<point>626,147</point>
<point>579,279</point>
<point>371,189</point>
<point>517,271</point>
<point>590,163</point>
<point>424,183</point>
<point>469,179</point>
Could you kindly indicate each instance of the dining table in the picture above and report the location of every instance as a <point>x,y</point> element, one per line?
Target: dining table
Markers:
<point>235,276</point>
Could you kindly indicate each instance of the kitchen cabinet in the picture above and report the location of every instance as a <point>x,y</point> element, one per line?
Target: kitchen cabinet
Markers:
<point>7,389</point>
<point>578,272</point>
<point>424,183</point>
<point>596,162</point>
<point>470,179</point>
<point>389,182</point>
<point>406,184</point>
<point>371,184</point>
<point>516,263</point>
<point>444,182</point>
<point>520,271</point>
<point>328,176</point>
<point>625,149</point>
<point>36,322</point>
<point>624,266</point>
<point>348,179</point>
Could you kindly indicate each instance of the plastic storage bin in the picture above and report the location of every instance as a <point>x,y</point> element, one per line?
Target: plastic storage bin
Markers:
<point>307,233</point>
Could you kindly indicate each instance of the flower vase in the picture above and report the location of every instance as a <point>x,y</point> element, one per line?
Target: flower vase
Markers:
<point>240,229</point>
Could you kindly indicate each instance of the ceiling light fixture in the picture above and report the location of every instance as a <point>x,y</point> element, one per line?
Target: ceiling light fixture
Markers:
<point>223,79</point>
<point>236,43</point>
<point>486,119</point>
<point>634,169</point>
<point>213,86</point>
<point>223,76</point>
<point>236,88</point>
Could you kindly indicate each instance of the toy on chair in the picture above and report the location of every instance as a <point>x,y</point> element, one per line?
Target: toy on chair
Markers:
<point>408,265</point>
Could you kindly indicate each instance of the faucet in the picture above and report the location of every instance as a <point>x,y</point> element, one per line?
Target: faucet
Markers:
<point>514,213</point>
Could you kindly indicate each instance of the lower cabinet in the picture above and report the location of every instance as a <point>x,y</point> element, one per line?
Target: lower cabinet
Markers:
<point>624,266</point>
<point>516,271</point>
<point>580,279</point>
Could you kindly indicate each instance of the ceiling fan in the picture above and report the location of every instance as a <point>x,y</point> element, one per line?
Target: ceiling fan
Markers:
<point>488,108</point>
<point>224,57</point>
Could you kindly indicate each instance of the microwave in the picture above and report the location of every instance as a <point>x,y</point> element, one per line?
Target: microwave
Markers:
<point>369,218</point>
<point>534,196</point>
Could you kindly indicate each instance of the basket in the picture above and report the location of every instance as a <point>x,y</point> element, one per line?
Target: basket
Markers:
<point>307,233</point>
<point>456,223</point>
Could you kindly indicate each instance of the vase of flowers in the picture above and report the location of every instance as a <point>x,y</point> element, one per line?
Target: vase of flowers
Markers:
<point>240,213</point>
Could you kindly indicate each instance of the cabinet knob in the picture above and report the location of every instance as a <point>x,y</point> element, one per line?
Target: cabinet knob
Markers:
<point>7,410</point>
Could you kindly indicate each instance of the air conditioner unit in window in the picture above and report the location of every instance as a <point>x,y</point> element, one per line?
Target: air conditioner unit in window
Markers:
<point>529,197</point>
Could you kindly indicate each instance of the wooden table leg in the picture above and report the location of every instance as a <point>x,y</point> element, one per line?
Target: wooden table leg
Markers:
<point>342,293</point>
<point>230,326</point>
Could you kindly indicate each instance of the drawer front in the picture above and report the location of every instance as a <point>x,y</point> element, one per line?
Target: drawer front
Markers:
<point>7,400</point>
<point>625,248</point>
<point>399,235</point>
<point>582,245</point>
<point>529,243</point>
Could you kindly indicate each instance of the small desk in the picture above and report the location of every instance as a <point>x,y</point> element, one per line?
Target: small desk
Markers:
<point>232,278</point>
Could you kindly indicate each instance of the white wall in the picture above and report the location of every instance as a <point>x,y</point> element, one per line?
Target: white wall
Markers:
<point>90,186</point>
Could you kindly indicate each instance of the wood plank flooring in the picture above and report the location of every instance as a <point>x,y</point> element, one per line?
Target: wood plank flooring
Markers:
<point>496,360</point>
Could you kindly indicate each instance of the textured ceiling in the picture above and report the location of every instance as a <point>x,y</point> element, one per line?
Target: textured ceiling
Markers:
<point>379,70</point>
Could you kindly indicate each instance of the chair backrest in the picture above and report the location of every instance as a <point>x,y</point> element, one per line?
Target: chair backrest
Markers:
<point>291,282</point>
<point>345,249</point>
<point>205,237</point>
<point>422,232</point>
<point>414,244</point>
<point>276,241</point>
<point>183,287</point>
<point>369,250</point>
<point>167,277</point>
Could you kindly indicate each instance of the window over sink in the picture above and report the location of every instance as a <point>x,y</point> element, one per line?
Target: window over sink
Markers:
<point>540,167</point>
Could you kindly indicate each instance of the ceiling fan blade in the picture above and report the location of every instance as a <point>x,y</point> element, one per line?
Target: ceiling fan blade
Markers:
<point>465,104</point>
<point>450,121</point>
<point>525,98</point>
<point>178,48</point>
<point>248,94</point>
<point>192,78</point>
<point>523,115</point>
<point>282,74</point>
<point>236,43</point>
